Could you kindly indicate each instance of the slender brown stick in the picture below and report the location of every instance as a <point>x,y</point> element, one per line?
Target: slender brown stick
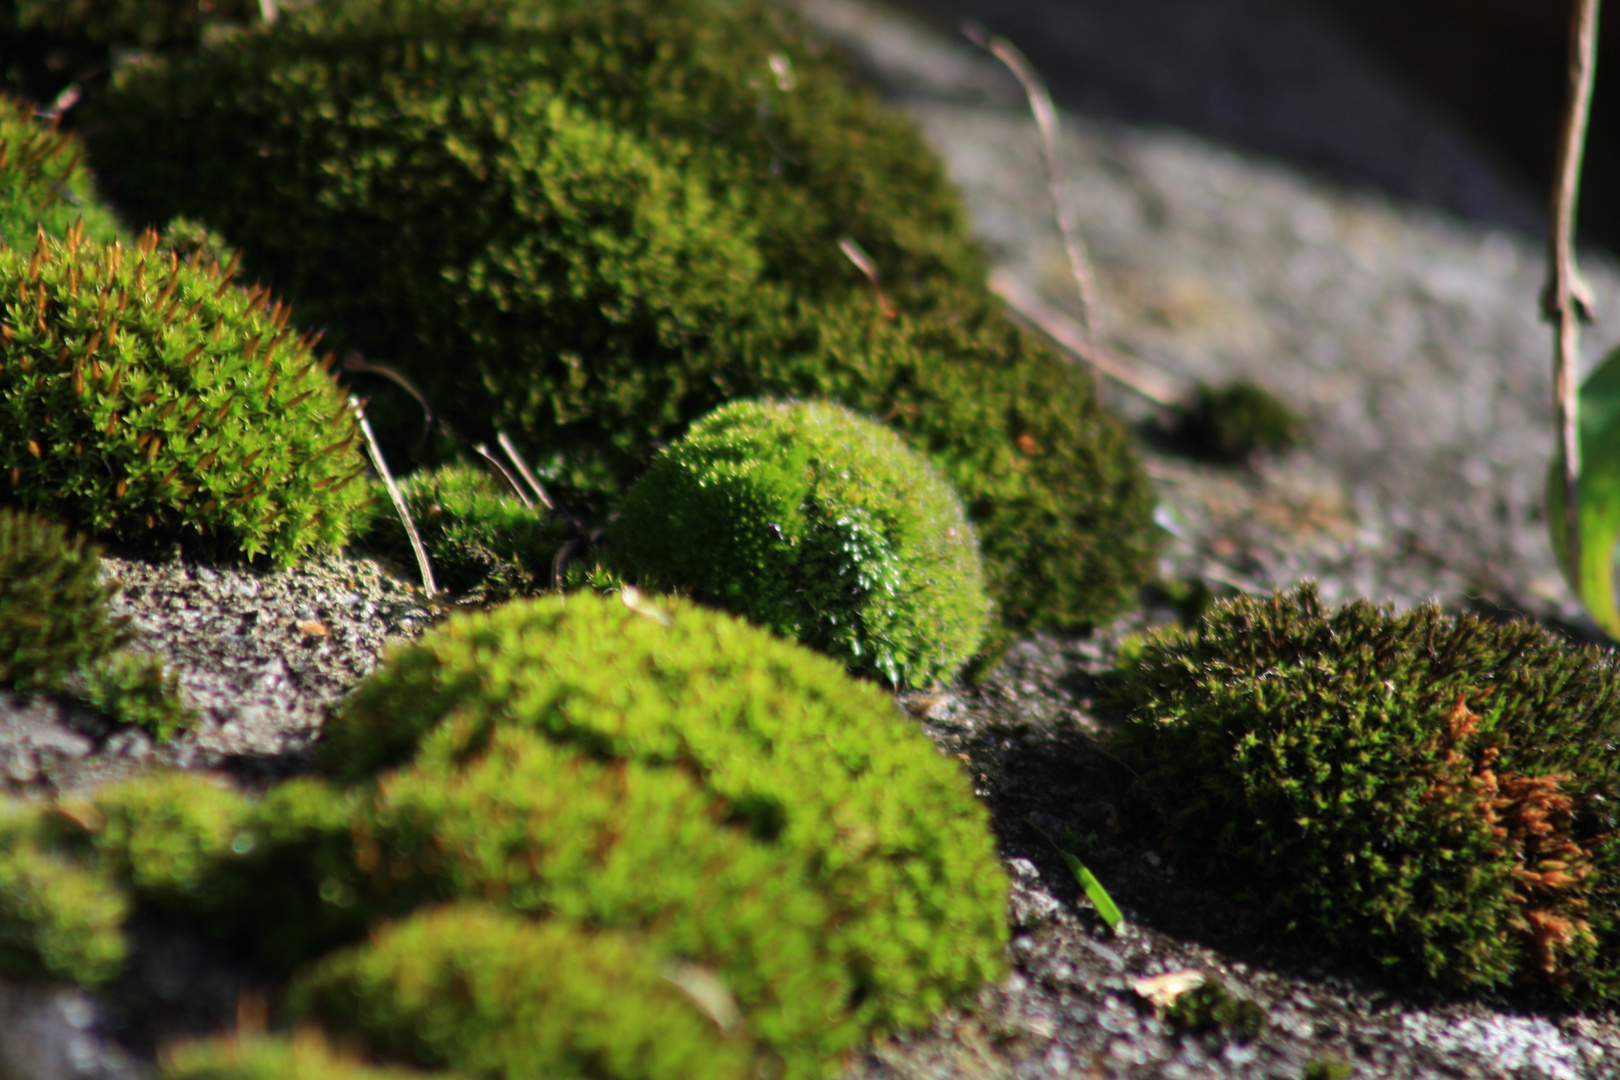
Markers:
<point>1155,386</point>
<point>869,269</point>
<point>511,481</point>
<point>1040,103</point>
<point>1566,300</point>
<point>397,497</point>
<point>523,469</point>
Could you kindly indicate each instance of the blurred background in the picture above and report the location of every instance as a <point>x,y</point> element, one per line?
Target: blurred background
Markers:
<point>1450,103</point>
<point>1316,82</point>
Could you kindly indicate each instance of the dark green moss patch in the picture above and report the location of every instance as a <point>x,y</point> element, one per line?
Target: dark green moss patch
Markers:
<point>1433,794</point>
<point>1238,422</point>
<point>53,606</point>
<point>643,226</point>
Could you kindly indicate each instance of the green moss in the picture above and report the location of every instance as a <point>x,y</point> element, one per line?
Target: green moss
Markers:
<point>478,535</point>
<point>822,526</point>
<point>138,689</point>
<point>739,799</point>
<point>643,226</point>
<point>1240,421</point>
<point>59,918</point>
<point>43,181</point>
<point>493,995</point>
<point>1211,1007</point>
<point>1430,793</point>
<point>303,1056</point>
<point>145,23</point>
<point>53,606</point>
<point>276,876</point>
<point>152,401</point>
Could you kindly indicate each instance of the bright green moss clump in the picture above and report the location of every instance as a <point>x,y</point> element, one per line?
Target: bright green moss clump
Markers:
<point>43,181</point>
<point>494,995</point>
<point>674,771</point>
<point>643,225</point>
<point>149,400</point>
<point>1434,794</point>
<point>820,525</point>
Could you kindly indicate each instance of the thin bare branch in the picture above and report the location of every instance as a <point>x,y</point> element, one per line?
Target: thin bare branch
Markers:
<point>511,481</point>
<point>354,361</point>
<point>1566,300</point>
<point>1046,119</point>
<point>1153,385</point>
<point>523,470</point>
<point>397,497</point>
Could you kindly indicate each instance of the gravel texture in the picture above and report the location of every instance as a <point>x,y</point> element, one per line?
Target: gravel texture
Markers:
<point>1406,336</point>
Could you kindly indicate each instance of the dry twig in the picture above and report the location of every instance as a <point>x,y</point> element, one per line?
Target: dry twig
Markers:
<point>1040,103</point>
<point>1153,385</point>
<point>1566,300</point>
<point>397,497</point>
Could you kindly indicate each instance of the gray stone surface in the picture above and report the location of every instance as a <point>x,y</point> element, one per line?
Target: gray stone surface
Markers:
<point>1409,337</point>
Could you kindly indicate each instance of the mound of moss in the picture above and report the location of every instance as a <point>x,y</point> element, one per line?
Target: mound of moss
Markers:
<point>675,771</point>
<point>1434,794</point>
<point>43,181</point>
<point>643,225</point>
<point>819,524</point>
<point>151,401</point>
<point>493,995</point>
<point>699,818</point>
<point>478,534</point>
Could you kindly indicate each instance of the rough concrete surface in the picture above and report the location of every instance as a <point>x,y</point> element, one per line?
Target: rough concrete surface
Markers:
<point>1260,202</point>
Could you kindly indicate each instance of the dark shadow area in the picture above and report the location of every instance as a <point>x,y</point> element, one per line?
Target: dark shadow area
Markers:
<point>1278,77</point>
<point>1497,69</point>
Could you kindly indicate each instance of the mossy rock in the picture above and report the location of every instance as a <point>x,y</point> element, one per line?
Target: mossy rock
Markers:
<point>820,525</point>
<point>44,183</point>
<point>792,830</point>
<point>150,401</point>
<point>489,994</point>
<point>477,533</point>
<point>769,832</point>
<point>619,243</point>
<point>1432,794</point>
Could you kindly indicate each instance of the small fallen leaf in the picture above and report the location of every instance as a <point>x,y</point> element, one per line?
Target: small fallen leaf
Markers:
<point>82,813</point>
<point>707,993</point>
<point>311,628</point>
<point>636,602</point>
<point>1161,991</point>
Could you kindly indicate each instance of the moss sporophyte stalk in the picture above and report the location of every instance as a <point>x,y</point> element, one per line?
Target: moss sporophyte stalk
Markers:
<point>159,401</point>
